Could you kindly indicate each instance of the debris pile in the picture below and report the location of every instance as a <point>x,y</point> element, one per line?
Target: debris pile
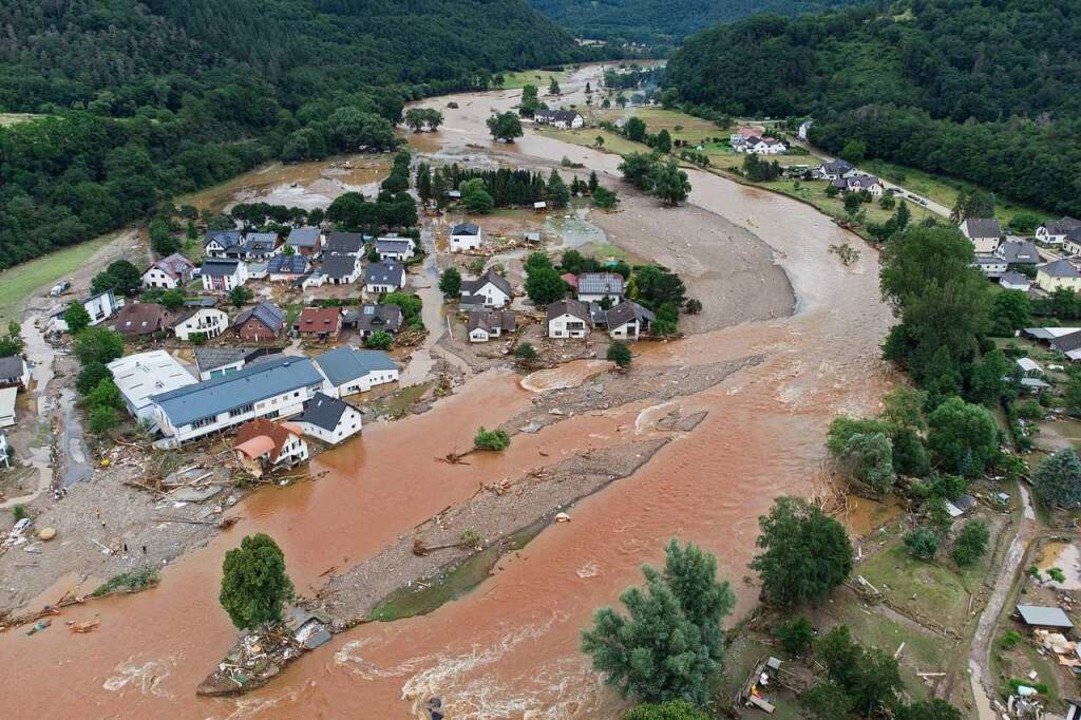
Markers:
<point>1066,651</point>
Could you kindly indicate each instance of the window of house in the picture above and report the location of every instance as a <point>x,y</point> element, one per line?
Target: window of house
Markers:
<point>203,422</point>
<point>241,410</point>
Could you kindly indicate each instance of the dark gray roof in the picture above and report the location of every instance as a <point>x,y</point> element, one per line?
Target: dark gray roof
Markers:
<point>267,313</point>
<point>348,363</point>
<point>1014,278</point>
<point>983,227</point>
<point>394,245</point>
<point>215,267</point>
<point>206,302</point>
<point>1044,616</point>
<point>564,115</point>
<point>1060,269</point>
<point>11,367</point>
<point>1062,226</point>
<point>627,311</point>
<point>307,237</point>
<point>470,287</point>
<point>576,308</point>
<point>1066,343</point>
<point>863,181</point>
<point>489,320</point>
<point>472,300</point>
<point>837,166</point>
<point>1018,252</point>
<point>1074,234</point>
<point>208,358</point>
<point>379,317</point>
<point>345,242</point>
<point>603,283</point>
<point>244,387</point>
<point>174,265</point>
<point>465,229</point>
<point>385,273</point>
<point>287,265</point>
<point>324,411</point>
<point>338,265</point>
<point>225,238</point>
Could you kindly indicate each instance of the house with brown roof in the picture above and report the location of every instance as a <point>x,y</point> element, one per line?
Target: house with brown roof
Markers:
<point>485,325</point>
<point>137,319</point>
<point>261,323</point>
<point>263,446</point>
<point>569,319</point>
<point>628,321</point>
<point>320,324</point>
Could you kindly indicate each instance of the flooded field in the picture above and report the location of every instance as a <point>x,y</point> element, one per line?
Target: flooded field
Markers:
<point>509,649</point>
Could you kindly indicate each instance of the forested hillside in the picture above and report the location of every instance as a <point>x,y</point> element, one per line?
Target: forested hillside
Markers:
<point>664,22</point>
<point>147,99</point>
<point>985,90</point>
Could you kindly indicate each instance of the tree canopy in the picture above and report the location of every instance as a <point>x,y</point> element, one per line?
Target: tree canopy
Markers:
<point>1058,479</point>
<point>254,586</point>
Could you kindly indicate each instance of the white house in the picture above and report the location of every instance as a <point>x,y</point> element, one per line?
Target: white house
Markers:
<point>991,266</point>
<point>490,290</point>
<point>349,370</point>
<point>100,307</point>
<point>345,242</point>
<point>210,322</point>
<point>7,406</point>
<point>5,451</point>
<point>14,372</point>
<point>140,376</point>
<point>1054,232</point>
<point>628,320</point>
<point>287,268</point>
<point>596,286</point>
<point>465,236</point>
<point>384,277</point>
<point>1058,274</point>
<point>263,446</point>
<point>563,119</point>
<point>169,272</point>
<point>330,419</point>
<point>485,325</point>
<point>1015,281</point>
<point>569,319</point>
<point>394,248</point>
<point>983,233</point>
<point>273,388</point>
<point>835,169</point>
<point>1071,241</point>
<point>222,276</point>
<point>340,268</point>
<point>859,183</point>
<point>761,146</point>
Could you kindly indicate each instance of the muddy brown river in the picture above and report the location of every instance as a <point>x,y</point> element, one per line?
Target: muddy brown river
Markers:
<point>510,648</point>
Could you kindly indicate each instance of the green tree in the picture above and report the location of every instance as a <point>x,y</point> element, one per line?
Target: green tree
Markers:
<point>525,352</point>
<point>530,102</point>
<point>637,169</point>
<point>553,86</point>
<point>1071,395</point>
<point>1010,310</point>
<point>121,276</point>
<point>963,438</point>
<point>663,143</point>
<point>635,129</point>
<point>12,343</point>
<point>604,198</point>
<point>240,296</point>
<point>557,193</point>
<point>922,543</point>
<point>162,239</point>
<point>852,203</point>
<point>827,701</point>
<point>98,344</point>
<point>670,644</point>
<point>379,340</point>
<point>254,585</point>
<point>806,554</point>
<point>594,183</point>
<point>904,406</point>
<point>172,299</point>
<point>936,709</point>
<point>450,283</point>
<point>868,459</point>
<point>870,677</point>
<point>105,394</point>
<point>854,151</point>
<point>475,197</point>
<point>89,376</point>
<point>796,635</point>
<point>620,354</point>
<point>491,439</point>
<point>669,183</point>
<point>101,419</point>
<point>971,543</point>
<point>989,381</point>
<point>544,286</point>
<point>1058,480</point>
<point>671,710</point>
<point>505,126</point>
<point>903,215</point>
<point>657,286</point>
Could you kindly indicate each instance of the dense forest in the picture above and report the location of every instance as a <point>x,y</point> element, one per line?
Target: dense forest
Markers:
<point>984,90</point>
<point>664,22</point>
<point>143,100</point>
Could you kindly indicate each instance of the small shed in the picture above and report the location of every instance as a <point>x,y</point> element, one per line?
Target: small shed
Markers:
<point>1044,616</point>
<point>960,506</point>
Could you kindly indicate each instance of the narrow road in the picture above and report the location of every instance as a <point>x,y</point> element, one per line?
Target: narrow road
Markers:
<point>983,683</point>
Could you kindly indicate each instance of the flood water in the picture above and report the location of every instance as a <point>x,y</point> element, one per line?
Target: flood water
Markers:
<point>510,648</point>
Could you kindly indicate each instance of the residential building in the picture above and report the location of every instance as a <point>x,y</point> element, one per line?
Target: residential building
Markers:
<point>340,268</point>
<point>371,318</point>
<point>1018,252</point>
<point>169,273</point>
<point>835,169</point>
<point>394,248</point>
<point>262,446</point>
<point>330,419</point>
<point>1068,343</point>
<point>5,451</point>
<point>596,286</point>
<point>1058,274</point>
<point>14,372</point>
<point>350,371</point>
<point>495,290</point>
<point>286,268</point>
<point>345,242</point>
<point>219,361</point>
<point>485,325</point>
<point>7,406</point>
<point>1029,368</point>
<point>761,146</point>
<point>138,319</point>
<point>562,119</point>
<point>1015,281</point>
<point>628,320</point>
<point>569,319</point>
<point>277,387</point>
<point>208,322</point>
<point>991,266</point>
<point>100,307</point>
<point>1054,232</point>
<point>141,376</point>
<point>1071,242</point>
<point>384,277</point>
<point>222,276</point>
<point>983,233</point>
<point>217,242</point>
<point>465,236</point>
<point>307,241</point>
<point>859,183</point>
<point>261,323</point>
<point>320,324</point>
<point>237,245</point>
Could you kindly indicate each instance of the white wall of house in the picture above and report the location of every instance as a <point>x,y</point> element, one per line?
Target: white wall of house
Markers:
<point>349,424</point>
<point>590,297</point>
<point>282,405</point>
<point>367,382</point>
<point>378,288</point>
<point>627,331</point>
<point>155,277</point>
<point>479,335</point>
<point>1050,284</point>
<point>221,370</point>
<point>228,282</point>
<point>209,321</point>
<point>101,308</point>
<point>460,243</point>
<point>493,296</point>
<point>567,326</point>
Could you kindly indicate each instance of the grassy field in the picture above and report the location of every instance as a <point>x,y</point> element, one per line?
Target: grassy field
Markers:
<point>930,591</point>
<point>8,119</point>
<point>540,78</point>
<point>21,281</point>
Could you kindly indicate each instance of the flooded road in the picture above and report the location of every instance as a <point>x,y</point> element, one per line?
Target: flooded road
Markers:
<point>509,649</point>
